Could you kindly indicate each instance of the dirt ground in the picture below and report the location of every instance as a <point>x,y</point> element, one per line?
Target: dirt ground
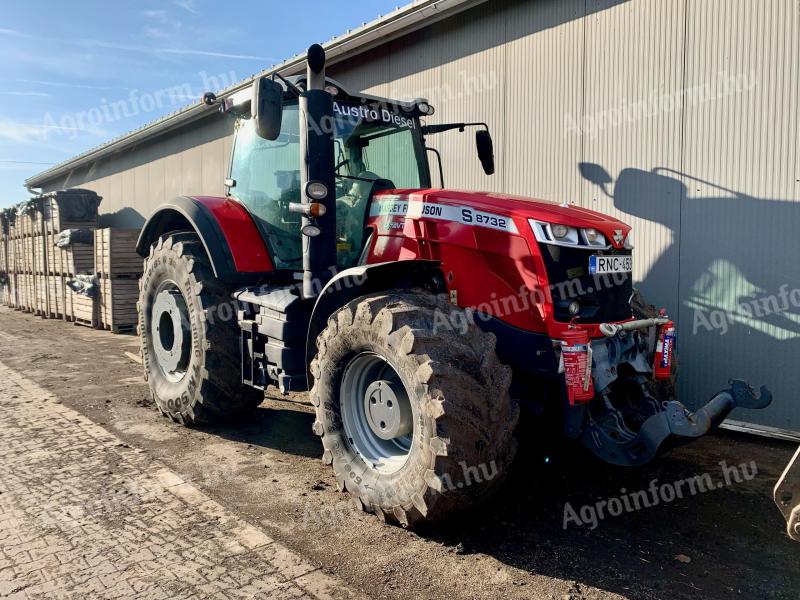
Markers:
<point>726,542</point>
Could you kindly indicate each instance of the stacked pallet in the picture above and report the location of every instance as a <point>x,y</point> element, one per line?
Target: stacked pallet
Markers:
<point>5,289</point>
<point>61,212</point>
<point>118,268</point>
<point>66,263</point>
<point>37,270</point>
<point>24,226</point>
<point>81,309</point>
<point>58,264</point>
<point>9,217</point>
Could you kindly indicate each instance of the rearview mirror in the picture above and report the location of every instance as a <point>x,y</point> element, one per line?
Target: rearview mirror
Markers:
<point>266,108</point>
<point>483,141</point>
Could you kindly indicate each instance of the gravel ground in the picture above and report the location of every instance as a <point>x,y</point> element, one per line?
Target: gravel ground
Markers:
<point>722,543</point>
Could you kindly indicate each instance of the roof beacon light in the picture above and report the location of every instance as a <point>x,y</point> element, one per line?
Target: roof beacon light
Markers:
<point>425,108</point>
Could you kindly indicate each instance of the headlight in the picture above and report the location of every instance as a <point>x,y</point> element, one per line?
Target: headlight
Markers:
<point>594,238</point>
<point>564,235</point>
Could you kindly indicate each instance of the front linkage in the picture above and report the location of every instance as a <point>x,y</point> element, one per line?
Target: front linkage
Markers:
<point>631,418</point>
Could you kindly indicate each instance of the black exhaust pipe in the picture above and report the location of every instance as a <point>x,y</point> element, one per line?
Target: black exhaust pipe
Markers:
<point>317,170</point>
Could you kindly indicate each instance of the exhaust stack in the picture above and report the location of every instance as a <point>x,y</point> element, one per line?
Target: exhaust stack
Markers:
<point>317,182</point>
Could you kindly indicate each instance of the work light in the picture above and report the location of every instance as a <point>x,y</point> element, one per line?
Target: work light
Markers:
<point>316,190</point>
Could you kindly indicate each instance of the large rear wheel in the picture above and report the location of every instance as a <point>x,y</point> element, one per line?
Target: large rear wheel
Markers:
<point>413,406</point>
<point>189,335</point>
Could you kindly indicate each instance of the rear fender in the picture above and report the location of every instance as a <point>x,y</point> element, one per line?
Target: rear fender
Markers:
<point>368,279</point>
<point>232,241</point>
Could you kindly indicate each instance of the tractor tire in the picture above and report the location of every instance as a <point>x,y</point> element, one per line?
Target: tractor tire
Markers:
<point>456,442</point>
<point>190,336</point>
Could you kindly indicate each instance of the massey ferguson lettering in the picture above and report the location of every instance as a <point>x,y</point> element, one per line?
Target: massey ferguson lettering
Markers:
<point>463,215</point>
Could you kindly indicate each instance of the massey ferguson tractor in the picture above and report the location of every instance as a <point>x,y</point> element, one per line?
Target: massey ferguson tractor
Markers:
<point>422,320</point>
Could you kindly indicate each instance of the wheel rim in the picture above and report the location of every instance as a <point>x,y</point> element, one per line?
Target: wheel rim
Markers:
<point>376,412</point>
<point>170,331</point>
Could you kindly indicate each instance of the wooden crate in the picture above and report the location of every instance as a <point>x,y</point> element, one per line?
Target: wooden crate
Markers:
<point>13,290</point>
<point>41,245</point>
<point>5,273</point>
<point>80,309</point>
<point>26,302</point>
<point>42,285</point>
<point>116,304</point>
<point>13,258</point>
<point>115,253</point>
<point>77,259</point>
<point>58,291</point>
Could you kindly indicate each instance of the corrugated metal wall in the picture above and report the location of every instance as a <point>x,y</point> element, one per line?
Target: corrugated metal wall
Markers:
<point>193,160</point>
<point>679,116</point>
<point>740,173</point>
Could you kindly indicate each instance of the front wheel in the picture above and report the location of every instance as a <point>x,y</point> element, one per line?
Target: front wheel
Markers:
<point>190,351</point>
<point>413,406</point>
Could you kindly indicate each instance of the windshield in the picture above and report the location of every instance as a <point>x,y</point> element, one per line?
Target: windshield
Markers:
<point>370,144</point>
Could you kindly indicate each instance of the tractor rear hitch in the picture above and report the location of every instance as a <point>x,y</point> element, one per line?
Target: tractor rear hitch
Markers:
<point>672,426</point>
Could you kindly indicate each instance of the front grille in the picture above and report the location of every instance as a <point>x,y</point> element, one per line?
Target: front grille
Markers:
<point>602,298</point>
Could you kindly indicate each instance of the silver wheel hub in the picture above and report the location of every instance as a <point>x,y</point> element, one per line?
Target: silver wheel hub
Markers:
<point>170,331</point>
<point>376,412</point>
<point>387,409</point>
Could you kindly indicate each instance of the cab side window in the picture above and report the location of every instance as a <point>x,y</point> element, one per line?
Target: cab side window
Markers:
<point>267,177</point>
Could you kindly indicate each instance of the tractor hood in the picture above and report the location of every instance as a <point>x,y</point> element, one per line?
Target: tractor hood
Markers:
<point>518,208</point>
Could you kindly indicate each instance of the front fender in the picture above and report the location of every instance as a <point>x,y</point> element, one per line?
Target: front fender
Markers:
<point>232,241</point>
<point>368,279</point>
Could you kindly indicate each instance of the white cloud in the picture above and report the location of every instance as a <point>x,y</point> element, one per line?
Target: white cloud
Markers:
<point>15,33</point>
<point>157,33</point>
<point>34,133</point>
<point>187,5</point>
<point>160,15</point>
<point>14,93</point>
<point>22,133</point>
<point>21,165</point>
<point>181,51</point>
<point>67,84</point>
<point>91,43</point>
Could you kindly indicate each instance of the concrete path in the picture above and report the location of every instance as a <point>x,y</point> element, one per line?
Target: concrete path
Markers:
<point>84,515</point>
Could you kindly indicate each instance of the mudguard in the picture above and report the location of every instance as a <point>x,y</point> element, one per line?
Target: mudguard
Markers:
<point>367,279</point>
<point>232,241</point>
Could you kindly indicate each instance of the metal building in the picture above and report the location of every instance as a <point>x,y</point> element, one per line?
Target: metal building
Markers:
<point>678,116</point>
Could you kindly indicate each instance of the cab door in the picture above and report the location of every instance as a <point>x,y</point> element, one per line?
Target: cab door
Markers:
<point>266,178</point>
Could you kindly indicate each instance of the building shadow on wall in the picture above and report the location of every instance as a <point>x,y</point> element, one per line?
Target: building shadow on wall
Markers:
<point>127,218</point>
<point>730,272</point>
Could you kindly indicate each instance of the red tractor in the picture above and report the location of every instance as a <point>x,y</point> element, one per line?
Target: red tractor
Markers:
<point>420,319</point>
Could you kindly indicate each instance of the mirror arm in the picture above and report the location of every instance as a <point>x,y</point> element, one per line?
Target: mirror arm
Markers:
<point>439,159</point>
<point>288,83</point>
<point>439,128</point>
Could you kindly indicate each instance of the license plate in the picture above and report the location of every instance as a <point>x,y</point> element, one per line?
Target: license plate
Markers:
<point>610,264</point>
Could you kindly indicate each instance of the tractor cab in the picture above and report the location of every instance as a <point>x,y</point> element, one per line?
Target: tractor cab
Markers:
<point>378,145</point>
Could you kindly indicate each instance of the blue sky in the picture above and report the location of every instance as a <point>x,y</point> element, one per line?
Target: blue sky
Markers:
<point>76,74</point>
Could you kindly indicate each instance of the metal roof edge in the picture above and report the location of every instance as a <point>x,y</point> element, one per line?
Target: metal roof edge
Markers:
<point>403,20</point>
